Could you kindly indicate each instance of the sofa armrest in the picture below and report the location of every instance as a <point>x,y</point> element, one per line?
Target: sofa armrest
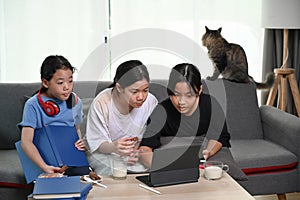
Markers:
<point>281,128</point>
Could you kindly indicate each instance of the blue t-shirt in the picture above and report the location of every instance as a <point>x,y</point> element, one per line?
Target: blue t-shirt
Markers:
<point>35,117</point>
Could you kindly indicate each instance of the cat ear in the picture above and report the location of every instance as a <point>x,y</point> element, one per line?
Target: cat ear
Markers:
<point>220,29</point>
<point>206,29</point>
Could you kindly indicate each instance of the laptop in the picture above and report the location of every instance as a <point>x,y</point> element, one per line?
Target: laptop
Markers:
<point>173,165</point>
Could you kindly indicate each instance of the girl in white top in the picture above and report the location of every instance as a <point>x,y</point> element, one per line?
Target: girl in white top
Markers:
<point>118,114</point>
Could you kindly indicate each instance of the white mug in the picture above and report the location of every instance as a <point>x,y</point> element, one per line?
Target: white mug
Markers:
<point>213,170</point>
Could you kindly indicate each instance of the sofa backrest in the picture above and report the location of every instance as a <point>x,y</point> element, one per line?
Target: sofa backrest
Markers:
<point>89,89</point>
<point>239,101</point>
<point>13,97</point>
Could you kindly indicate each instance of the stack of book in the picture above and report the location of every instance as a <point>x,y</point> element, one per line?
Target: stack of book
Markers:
<point>64,188</point>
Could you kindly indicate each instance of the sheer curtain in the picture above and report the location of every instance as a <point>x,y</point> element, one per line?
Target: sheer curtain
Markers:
<point>97,35</point>
<point>30,30</point>
<point>240,21</point>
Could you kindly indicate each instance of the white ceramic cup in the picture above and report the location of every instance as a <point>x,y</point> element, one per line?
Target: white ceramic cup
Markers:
<point>119,167</point>
<point>213,170</point>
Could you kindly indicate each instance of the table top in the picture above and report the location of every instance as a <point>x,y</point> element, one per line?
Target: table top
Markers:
<point>224,188</point>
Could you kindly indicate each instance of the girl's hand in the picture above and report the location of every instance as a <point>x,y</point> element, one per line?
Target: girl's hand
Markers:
<point>80,145</point>
<point>213,147</point>
<point>206,154</point>
<point>51,169</point>
<point>133,157</point>
<point>123,146</point>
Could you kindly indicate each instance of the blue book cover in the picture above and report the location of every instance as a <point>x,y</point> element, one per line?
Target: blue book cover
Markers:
<point>31,170</point>
<point>56,146</point>
<point>59,187</point>
<point>84,187</point>
<point>62,139</point>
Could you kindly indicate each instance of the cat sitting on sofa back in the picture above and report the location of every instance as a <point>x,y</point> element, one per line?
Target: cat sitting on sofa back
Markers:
<point>230,60</point>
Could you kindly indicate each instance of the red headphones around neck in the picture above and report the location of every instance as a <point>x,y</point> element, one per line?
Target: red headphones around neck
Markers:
<point>50,107</point>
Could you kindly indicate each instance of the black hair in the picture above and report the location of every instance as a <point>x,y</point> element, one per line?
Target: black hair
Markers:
<point>50,65</point>
<point>53,63</point>
<point>130,72</point>
<point>184,72</point>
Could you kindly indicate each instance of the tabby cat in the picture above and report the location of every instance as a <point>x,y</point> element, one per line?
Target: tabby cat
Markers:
<point>229,60</point>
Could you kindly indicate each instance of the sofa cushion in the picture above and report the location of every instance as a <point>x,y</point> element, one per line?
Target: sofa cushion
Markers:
<point>10,193</point>
<point>261,156</point>
<point>11,108</point>
<point>239,100</point>
<point>10,168</point>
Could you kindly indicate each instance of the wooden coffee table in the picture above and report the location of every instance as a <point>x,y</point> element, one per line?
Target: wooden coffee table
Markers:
<point>225,188</point>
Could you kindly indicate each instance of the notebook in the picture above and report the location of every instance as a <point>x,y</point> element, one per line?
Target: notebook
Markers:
<point>56,146</point>
<point>173,165</point>
<point>60,187</point>
<point>84,191</point>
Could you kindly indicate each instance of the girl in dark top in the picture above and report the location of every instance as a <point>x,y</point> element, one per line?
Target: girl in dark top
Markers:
<point>186,113</point>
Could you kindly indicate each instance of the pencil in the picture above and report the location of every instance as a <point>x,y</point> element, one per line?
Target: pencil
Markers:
<point>149,188</point>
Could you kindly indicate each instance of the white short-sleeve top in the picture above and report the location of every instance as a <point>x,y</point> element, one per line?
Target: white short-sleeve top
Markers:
<point>106,124</point>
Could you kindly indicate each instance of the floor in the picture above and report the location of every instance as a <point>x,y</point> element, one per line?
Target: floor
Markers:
<point>290,196</point>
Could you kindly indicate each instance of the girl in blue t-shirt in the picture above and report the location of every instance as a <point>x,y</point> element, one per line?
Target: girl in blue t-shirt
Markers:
<point>54,104</point>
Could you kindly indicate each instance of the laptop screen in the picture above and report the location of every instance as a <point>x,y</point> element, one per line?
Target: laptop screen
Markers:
<point>173,165</point>
<point>175,158</point>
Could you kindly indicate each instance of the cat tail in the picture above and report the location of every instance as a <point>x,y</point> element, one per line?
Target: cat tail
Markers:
<point>270,79</point>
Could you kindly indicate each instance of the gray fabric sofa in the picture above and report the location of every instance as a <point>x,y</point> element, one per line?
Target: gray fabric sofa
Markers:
<point>13,96</point>
<point>265,141</point>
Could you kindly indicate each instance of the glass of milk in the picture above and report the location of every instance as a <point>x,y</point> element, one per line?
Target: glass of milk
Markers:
<point>119,167</point>
<point>213,170</point>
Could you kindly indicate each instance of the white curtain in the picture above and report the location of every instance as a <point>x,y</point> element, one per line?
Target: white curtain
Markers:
<point>160,33</point>
<point>30,30</point>
<point>240,21</point>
